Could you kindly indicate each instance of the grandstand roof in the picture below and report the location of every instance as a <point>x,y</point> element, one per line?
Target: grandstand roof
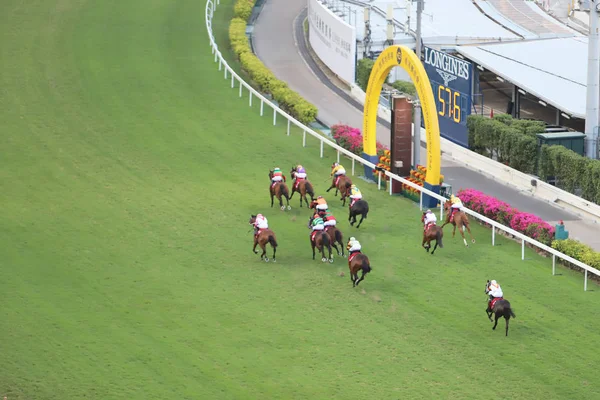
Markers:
<point>554,70</point>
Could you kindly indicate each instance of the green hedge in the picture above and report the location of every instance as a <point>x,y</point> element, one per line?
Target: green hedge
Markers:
<point>578,251</point>
<point>512,142</point>
<point>288,100</point>
<point>405,87</point>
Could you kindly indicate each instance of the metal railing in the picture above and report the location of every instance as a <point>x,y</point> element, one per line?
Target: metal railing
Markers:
<point>233,77</point>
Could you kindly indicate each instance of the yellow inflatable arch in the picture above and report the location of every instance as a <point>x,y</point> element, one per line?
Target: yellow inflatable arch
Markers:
<point>404,57</point>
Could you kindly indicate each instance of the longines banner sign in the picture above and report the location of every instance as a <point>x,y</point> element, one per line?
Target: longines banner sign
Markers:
<point>333,40</point>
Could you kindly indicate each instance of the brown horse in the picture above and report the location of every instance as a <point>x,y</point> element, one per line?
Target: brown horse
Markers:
<point>356,262</point>
<point>340,186</point>
<point>303,187</point>
<point>261,239</point>
<point>461,220</point>
<point>335,235</point>
<point>320,240</point>
<point>501,309</point>
<point>279,190</point>
<point>433,232</point>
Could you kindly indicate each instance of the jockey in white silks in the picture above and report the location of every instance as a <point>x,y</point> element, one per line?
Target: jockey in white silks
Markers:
<point>328,218</point>
<point>321,204</point>
<point>277,175</point>
<point>260,223</point>
<point>430,218</point>
<point>353,245</point>
<point>494,290</point>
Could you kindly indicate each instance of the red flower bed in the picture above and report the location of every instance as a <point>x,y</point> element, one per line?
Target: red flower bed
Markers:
<point>528,224</point>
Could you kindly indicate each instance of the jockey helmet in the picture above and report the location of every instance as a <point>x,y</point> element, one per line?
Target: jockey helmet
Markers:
<point>428,212</point>
<point>259,216</point>
<point>493,282</point>
<point>299,166</point>
<point>320,197</point>
<point>352,239</point>
<point>335,164</point>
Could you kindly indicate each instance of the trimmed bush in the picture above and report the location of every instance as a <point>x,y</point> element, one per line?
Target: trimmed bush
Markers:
<point>243,9</point>
<point>363,72</point>
<point>288,100</point>
<point>578,251</point>
<point>405,87</point>
<point>502,212</point>
<point>351,139</point>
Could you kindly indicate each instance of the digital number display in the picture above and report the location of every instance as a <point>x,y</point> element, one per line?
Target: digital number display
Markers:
<point>451,82</point>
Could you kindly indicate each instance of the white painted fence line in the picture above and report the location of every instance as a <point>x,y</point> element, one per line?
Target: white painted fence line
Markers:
<point>211,6</point>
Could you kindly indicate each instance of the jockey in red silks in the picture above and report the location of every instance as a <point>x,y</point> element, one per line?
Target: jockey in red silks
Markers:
<point>277,176</point>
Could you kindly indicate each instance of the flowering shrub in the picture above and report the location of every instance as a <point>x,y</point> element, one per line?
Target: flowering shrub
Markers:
<point>528,224</point>
<point>351,139</point>
<point>384,163</point>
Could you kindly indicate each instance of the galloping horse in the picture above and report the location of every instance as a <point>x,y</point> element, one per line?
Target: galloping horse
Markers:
<point>460,219</point>
<point>303,187</point>
<point>356,262</point>
<point>340,185</point>
<point>433,232</point>
<point>335,235</point>
<point>320,240</point>
<point>360,207</point>
<point>501,308</point>
<point>263,237</point>
<point>278,190</point>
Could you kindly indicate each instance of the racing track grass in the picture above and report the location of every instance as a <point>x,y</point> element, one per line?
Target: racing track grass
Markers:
<point>128,174</point>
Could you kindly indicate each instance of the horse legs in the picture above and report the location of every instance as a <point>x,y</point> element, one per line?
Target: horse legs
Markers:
<point>274,251</point>
<point>469,230</point>
<point>362,216</point>
<point>272,196</point>
<point>462,234</point>
<point>254,247</point>
<point>313,248</point>
<point>489,314</point>
<point>506,325</point>
<point>434,247</point>
<point>336,248</point>
<point>496,322</point>
<point>362,276</point>
<point>264,252</point>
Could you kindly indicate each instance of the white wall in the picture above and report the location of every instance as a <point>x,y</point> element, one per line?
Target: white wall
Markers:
<point>333,40</point>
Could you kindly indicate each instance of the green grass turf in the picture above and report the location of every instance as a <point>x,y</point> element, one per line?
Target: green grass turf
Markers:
<point>129,170</point>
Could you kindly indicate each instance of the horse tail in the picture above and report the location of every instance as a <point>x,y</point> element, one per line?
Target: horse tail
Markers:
<point>438,238</point>
<point>338,236</point>
<point>325,240</point>
<point>512,314</point>
<point>365,265</point>
<point>284,190</point>
<point>272,241</point>
<point>309,189</point>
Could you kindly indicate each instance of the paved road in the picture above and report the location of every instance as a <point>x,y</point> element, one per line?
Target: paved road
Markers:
<point>279,43</point>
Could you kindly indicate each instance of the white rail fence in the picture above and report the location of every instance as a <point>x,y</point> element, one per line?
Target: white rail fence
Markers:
<point>229,73</point>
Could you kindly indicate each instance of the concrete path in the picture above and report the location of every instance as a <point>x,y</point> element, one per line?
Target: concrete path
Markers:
<point>279,43</point>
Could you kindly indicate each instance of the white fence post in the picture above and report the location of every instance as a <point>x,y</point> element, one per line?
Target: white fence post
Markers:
<point>522,249</point>
<point>241,87</point>
<point>232,81</point>
<point>304,139</point>
<point>353,167</point>
<point>220,64</point>
<point>493,235</point>
<point>390,185</point>
<point>225,73</point>
<point>288,130</point>
<point>250,101</point>
<point>553,265</point>
<point>441,211</point>
<point>378,183</point>
<point>421,201</point>
<point>585,282</point>
<point>274,117</point>
<point>338,156</point>
<point>262,106</point>
<point>321,149</point>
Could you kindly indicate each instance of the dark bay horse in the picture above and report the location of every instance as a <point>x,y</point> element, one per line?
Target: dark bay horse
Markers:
<point>335,235</point>
<point>433,232</point>
<point>303,187</point>
<point>320,240</point>
<point>501,308</point>
<point>263,237</point>
<point>360,207</point>
<point>461,220</point>
<point>279,190</point>
<point>357,262</point>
